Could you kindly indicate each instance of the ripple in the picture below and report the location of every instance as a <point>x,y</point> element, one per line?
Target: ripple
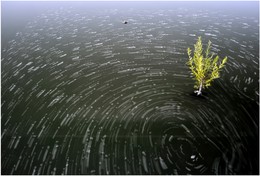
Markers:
<point>110,99</point>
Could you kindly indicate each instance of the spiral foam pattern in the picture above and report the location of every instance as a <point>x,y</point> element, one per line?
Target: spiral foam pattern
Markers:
<point>83,93</point>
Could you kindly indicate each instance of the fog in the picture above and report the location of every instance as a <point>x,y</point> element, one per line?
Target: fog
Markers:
<point>15,15</point>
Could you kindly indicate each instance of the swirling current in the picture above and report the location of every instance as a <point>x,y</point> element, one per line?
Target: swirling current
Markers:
<point>83,93</point>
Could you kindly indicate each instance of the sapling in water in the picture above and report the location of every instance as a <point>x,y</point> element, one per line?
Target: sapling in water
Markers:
<point>204,66</point>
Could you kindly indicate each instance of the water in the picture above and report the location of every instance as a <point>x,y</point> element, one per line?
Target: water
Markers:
<point>83,93</point>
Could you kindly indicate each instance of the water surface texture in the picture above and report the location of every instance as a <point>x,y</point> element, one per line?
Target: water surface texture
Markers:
<point>83,93</point>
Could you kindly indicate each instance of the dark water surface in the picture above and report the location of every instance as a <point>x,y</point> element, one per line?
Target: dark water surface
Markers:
<point>83,93</point>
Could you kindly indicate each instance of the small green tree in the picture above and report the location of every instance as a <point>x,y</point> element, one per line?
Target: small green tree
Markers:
<point>204,68</point>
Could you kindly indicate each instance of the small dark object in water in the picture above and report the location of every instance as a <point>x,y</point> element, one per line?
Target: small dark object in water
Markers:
<point>125,22</point>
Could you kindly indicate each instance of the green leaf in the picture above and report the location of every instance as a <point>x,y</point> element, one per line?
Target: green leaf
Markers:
<point>204,68</point>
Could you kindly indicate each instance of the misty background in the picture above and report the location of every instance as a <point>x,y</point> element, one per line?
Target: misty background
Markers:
<point>15,15</point>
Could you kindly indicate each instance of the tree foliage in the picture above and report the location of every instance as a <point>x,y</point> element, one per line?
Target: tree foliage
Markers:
<point>204,66</point>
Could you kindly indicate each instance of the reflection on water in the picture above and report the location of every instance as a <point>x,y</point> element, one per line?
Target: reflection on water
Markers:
<point>83,93</point>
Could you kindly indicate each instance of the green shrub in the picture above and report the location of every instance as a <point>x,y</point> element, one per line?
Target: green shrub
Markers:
<point>204,68</point>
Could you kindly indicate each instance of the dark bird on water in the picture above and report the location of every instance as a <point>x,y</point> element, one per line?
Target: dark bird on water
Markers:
<point>125,22</point>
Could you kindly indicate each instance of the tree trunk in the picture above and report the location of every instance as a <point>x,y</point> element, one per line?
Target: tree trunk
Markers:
<point>199,91</point>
